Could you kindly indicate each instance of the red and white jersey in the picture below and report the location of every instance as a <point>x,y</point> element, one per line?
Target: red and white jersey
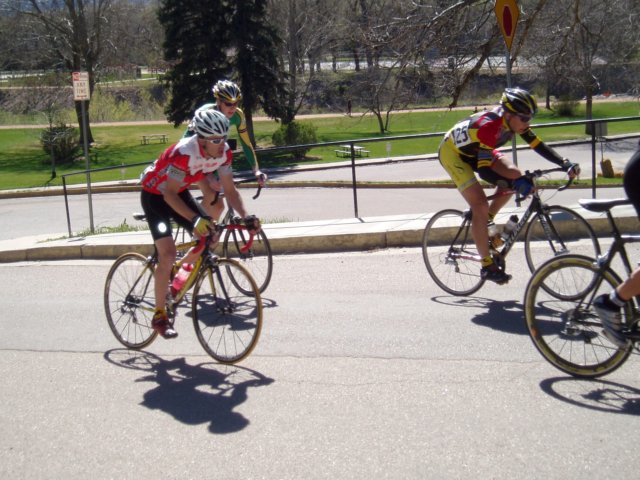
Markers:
<point>185,162</point>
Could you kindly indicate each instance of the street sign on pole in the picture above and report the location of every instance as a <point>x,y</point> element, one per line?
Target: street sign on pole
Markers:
<point>81,94</point>
<point>80,85</point>
<point>507,12</point>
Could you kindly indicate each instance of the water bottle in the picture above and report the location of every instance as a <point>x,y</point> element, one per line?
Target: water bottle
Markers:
<point>509,227</point>
<point>181,278</point>
<point>494,235</point>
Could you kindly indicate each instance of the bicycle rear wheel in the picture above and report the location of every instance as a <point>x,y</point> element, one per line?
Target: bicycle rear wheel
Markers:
<point>227,321</point>
<point>129,300</point>
<point>257,259</point>
<point>450,253</point>
<point>564,328</point>
<point>567,232</point>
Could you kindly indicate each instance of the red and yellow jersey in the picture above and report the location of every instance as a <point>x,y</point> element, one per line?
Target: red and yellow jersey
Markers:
<point>477,138</point>
<point>185,162</point>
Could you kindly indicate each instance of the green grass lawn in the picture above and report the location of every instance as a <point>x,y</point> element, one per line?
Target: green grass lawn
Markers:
<point>23,163</point>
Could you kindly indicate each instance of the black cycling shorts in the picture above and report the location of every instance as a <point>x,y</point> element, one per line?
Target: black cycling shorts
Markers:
<point>159,213</point>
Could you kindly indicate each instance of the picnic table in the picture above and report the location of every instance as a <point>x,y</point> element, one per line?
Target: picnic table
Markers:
<point>161,137</point>
<point>345,151</point>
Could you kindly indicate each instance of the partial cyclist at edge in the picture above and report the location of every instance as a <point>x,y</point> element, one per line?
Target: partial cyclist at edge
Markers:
<point>471,146</point>
<point>165,196</point>
<point>227,95</point>
<point>608,306</point>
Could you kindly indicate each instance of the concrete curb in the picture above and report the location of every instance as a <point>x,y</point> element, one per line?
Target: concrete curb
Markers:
<point>287,238</point>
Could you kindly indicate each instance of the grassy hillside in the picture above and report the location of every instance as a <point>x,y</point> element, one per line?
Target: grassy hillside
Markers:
<point>23,163</point>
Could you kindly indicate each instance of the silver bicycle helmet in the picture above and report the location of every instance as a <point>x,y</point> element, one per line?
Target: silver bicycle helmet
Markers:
<point>209,123</point>
<point>518,100</point>
<point>227,91</point>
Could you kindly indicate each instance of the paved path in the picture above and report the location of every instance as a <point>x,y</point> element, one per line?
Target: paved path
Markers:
<point>308,219</point>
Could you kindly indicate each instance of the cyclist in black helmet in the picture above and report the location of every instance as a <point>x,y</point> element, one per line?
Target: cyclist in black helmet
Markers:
<point>608,306</point>
<point>471,146</point>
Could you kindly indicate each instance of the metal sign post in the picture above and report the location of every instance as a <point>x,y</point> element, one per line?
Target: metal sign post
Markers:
<point>507,13</point>
<point>81,94</point>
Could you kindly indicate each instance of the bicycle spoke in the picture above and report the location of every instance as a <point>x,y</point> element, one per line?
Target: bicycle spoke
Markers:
<point>227,320</point>
<point>258,259</point>
<point>129,300</point>
<point>450,254</point>
<point>560,231</point>
<point>561,322</point>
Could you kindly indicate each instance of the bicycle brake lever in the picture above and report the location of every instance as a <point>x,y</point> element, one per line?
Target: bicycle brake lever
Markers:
<point>257,192</point>
<point>566,185</point>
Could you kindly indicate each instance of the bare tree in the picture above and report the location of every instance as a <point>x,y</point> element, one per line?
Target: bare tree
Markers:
<point>307,28</point>
<point>575,39</point>
<point>71,31</point>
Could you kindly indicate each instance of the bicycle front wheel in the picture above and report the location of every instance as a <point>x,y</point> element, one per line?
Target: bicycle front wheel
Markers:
<point>258,259</point>
<point>450,253</point>
<point>565,328</point>
<point>558,231</point>
<point>129,300</point>
<point>227,321</point>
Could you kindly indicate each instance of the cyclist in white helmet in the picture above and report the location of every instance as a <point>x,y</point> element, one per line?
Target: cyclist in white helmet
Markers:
<point>165,196</point>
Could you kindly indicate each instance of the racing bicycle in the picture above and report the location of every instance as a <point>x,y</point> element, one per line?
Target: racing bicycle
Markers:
<point>253,251</point>
<point>451,256</point>
<point>255,256</point>
<point>558,305</point>
<point>226,307</point>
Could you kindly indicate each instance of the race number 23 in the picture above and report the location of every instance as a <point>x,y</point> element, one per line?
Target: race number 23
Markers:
<point>461,134</point>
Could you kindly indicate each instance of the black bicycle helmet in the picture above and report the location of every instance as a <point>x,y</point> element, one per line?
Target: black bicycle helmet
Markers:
<point>518,100</point>
<point>227,91</point>
<point>209,123</point>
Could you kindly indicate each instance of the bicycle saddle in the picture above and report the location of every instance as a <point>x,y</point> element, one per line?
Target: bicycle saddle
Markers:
<point>603,205</point>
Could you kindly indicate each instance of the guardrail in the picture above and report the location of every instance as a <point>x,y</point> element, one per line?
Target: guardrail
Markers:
<point>597,130</point>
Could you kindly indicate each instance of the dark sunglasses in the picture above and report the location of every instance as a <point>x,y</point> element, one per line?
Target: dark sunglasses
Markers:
<point>524,118</point>
<point>230,104</point>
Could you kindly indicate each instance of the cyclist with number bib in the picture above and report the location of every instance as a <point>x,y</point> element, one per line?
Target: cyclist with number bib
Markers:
<point>471,146</point>
<point>165,196</point>
<point>228,95</point>
<point>608,306</point>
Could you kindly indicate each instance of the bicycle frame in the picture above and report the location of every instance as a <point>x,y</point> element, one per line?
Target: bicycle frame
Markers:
<point>536,206</point>
<point>618,248</point>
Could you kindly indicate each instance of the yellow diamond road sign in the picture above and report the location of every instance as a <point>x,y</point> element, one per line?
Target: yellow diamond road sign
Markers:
<point>507,13</point>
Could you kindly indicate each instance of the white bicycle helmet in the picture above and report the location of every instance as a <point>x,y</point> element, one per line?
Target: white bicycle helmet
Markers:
<point>227,91</point>
<point>209,123</point>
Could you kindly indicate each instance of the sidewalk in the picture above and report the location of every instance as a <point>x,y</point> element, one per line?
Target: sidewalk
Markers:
<point>347,234</point>
<point>353,234</point>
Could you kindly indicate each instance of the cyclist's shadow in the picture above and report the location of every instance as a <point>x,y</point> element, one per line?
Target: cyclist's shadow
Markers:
<point>506,316</point>
<point>193,394</point>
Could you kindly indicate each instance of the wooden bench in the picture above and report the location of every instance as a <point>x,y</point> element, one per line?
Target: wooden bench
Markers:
<point>146,139</point>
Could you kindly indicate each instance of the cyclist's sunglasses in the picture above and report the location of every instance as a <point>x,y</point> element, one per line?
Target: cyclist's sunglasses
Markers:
<point>216,140</point>
<point>230,104</point>
<point>524,118</point>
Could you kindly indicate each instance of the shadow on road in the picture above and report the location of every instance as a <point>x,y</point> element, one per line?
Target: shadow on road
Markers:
<point>505,316</point>
<point>193,394</point>
<point>600,395</point>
